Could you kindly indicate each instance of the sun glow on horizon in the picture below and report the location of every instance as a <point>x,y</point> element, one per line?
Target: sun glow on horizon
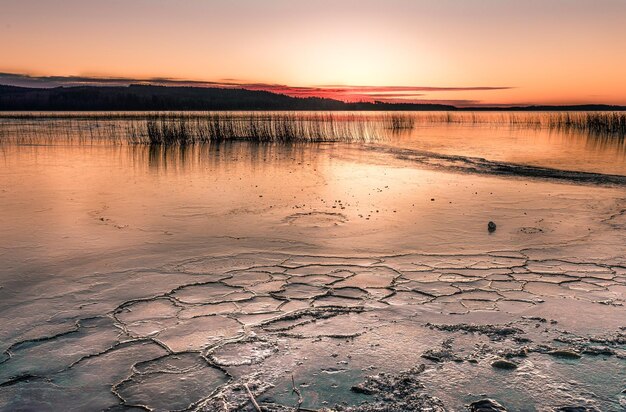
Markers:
<point>549,52</point>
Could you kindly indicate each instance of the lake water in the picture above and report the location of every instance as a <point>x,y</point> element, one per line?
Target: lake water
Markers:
<point>169,277</point>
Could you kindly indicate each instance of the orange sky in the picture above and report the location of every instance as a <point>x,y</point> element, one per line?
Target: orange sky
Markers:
<point>464,51</point>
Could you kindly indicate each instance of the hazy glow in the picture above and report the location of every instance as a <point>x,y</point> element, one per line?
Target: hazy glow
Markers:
<point>542,51</point>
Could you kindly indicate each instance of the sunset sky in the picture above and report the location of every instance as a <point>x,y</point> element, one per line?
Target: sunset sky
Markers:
<point>464,52</point>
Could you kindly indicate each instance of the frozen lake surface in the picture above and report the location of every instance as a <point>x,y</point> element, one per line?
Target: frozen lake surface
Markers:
<point>139,277</point>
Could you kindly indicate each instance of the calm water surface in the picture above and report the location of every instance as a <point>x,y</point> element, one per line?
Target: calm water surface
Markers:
<point>125,267</point>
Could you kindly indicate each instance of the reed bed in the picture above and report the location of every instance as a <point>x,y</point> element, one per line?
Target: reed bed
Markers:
<point>605,123</point>
<point>50,131</point>
<point>399,121</point>
<point>179,129</point>
<point>183,128</point>
<point>602,122</point>
<point>597,123</point>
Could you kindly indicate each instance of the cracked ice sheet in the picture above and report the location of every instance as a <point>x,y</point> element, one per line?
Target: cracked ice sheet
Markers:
<point>50,308</point>
<point>160,317</point>
<point>221,276</point>
<point>326,368</point>
<point>347,315</point>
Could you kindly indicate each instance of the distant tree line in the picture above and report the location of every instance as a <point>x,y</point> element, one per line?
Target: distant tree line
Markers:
<point>155,98</point>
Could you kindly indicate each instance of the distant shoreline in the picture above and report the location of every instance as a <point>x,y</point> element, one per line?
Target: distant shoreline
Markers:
<point>147,98</point>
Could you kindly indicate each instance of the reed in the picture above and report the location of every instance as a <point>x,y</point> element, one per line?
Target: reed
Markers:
<point>177,129</point>
<point>399,121</point>
<point>184,128</point>
<point>604,123</point>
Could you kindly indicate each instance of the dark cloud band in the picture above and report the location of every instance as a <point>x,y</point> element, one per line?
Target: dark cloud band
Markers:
<point>339,92</point>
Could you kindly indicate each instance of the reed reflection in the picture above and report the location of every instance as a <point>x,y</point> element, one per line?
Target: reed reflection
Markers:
<point>223,155</point>
<point>578,141</point>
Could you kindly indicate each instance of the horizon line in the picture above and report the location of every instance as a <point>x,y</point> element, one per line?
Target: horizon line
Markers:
<point>344,93</point>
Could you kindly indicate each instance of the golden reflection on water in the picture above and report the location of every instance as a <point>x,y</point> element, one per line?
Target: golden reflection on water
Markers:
<point>85,225</point>
<point>65,194</point>
<point>238,155</point>
<point>536,146</point>
<point>63,201</point>
<point>524,138</point>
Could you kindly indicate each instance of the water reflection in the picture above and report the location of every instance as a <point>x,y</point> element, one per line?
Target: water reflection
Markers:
<point>520,138</point>
<point>148,239</point>
<point>213,155</point>
<point>532,145</point>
